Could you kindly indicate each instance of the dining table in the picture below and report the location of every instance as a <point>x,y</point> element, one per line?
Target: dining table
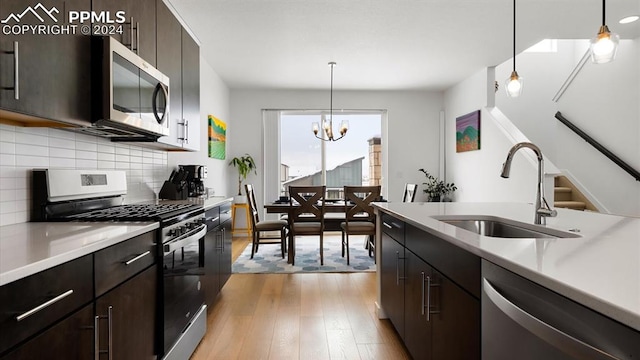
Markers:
<point>335,212</point>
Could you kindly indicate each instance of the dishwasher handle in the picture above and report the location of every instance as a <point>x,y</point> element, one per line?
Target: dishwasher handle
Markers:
<point>542,330</point>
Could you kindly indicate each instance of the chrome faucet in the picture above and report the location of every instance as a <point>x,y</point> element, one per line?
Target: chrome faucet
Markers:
<point>542,207</point>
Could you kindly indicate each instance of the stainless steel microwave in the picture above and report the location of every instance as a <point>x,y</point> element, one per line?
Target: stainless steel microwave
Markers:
<point>131,101</point>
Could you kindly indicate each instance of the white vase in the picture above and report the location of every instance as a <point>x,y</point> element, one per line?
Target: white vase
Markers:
<point>240,199</point>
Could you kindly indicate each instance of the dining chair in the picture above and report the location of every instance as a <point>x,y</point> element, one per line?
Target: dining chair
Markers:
<point>306,216</point>
<point>409,192</point>
<point>359,216</point>
<point>263,230</point>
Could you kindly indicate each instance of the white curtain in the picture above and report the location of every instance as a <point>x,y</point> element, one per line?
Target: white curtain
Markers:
<point>271,160</point>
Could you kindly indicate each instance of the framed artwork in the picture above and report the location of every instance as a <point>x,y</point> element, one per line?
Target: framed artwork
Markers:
<point>468,132</point>
<point>217,138</point>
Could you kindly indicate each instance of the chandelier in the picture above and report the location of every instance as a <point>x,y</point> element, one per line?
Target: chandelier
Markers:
<point>327,125</point>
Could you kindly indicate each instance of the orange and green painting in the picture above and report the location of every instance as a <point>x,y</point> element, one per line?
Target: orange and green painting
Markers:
<point>468,132</point>
<point>217,138</point>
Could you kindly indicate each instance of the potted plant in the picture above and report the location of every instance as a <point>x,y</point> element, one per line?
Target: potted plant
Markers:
<point>245,164</point>
<point>435,188</point>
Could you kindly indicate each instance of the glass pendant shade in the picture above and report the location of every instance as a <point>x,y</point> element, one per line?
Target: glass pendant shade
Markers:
<point>513,85</point>
<point>604,46</point>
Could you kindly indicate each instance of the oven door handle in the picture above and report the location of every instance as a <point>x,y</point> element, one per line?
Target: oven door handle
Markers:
<point>182,242</point>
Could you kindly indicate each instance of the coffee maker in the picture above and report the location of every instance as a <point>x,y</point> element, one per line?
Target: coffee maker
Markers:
<point>195,175</point>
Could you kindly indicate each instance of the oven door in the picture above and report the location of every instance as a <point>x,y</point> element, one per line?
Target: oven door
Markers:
<point>183,296</point>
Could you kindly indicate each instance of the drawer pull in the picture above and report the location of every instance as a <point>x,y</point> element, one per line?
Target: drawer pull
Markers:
<point>387,225</point>
<point>44,305</point>
<point>138,257</point>
<point>214,219</point>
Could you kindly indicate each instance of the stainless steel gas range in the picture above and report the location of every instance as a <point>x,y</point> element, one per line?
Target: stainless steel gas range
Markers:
<point>97,195</point>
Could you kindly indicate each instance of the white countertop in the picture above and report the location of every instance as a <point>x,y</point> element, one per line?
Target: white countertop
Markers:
<point>28,248</point>
<point>600,269</point>
<point>207,203</point>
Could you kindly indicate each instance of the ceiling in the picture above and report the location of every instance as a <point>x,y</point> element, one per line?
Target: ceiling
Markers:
<point>381,44</point>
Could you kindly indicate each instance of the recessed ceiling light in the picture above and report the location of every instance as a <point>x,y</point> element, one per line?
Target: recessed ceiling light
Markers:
<point>629,19</point>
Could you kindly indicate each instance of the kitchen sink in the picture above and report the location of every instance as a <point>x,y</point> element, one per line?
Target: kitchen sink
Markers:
<point>498,227</point>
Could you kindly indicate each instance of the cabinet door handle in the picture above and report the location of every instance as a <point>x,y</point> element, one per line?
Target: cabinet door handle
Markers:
<point>542,330</point>
<point>428,298</point>
<point>137,37</point>
<point>44,305</point>
<point>96,337</point>
<point>186,131</point>
<point>131,34</point>
<point>127,263</point>
<point>110,317</point>
<point>96,321</point>
<point>422,295</point>
<point>398,278</point>
<point>16,72</point>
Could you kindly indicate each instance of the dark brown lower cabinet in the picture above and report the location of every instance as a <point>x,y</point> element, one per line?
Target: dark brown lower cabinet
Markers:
<point>128,313</point>
<point>71,338</point>
<point>456,323</point>
<point>418,307</point>
<point>436,317</point>
<point>217,251</point>
<point>392,281</point>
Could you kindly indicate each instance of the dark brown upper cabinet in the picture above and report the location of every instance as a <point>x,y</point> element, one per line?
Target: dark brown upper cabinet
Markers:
<point>44,76</point>
<point>139,29</point>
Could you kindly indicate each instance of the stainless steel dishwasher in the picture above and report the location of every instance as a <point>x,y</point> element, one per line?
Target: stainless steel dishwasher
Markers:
<point>523,320</point>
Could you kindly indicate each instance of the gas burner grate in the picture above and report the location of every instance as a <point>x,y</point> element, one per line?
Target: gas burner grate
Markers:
<point>133,212</point>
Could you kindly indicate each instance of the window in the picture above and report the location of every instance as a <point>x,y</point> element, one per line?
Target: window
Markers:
<point>353,160</point>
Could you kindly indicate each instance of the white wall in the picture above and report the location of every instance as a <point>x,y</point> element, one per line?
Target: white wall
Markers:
<point>602,101</point>
<point>214,100</point>
<point>23,149</point>
<point>412,133</point>
<point>477,173</point>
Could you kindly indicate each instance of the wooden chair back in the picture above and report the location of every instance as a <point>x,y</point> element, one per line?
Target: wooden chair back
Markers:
<point>253,206</point>
<point>358,202</point>
<point>409,192</point>
<point>309,203</point>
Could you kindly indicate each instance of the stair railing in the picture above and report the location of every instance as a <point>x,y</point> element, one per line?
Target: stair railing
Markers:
<point>606,152</point>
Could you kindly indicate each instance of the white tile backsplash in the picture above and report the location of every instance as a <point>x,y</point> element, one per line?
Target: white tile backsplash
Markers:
<point>22,149</point>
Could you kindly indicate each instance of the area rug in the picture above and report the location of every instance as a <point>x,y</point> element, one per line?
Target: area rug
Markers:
<point>268,258</point>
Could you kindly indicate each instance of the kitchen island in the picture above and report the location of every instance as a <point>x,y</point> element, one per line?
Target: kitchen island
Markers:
<point>480,280</point>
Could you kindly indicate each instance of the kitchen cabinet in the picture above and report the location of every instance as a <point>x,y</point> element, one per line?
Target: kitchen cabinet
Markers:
<point>190,92</point>
<point>139,30</point>
<point>50,315</point>
<point>45,76</point>
<point>429,292</point>
<point>184,76</point>
<point>56,292</point>
<point>217,251</point>
<point>441,320</point>
<point>127,314</point>
<point>126,298</point>
<point>392,280</point>
<point>71,338</point>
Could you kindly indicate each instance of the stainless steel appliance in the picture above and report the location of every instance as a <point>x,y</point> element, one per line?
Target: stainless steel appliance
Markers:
<point>132,97</point>
<point>195,174</point>
<point>96,195</point>
<point>523,320</point>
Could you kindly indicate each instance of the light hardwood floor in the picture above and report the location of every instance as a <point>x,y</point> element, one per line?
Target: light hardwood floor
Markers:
<point>297,316</point>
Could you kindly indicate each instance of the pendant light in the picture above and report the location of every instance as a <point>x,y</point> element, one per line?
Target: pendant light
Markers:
<point>513,85</point>
<point>605,44</point>
<point>327,126</point>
